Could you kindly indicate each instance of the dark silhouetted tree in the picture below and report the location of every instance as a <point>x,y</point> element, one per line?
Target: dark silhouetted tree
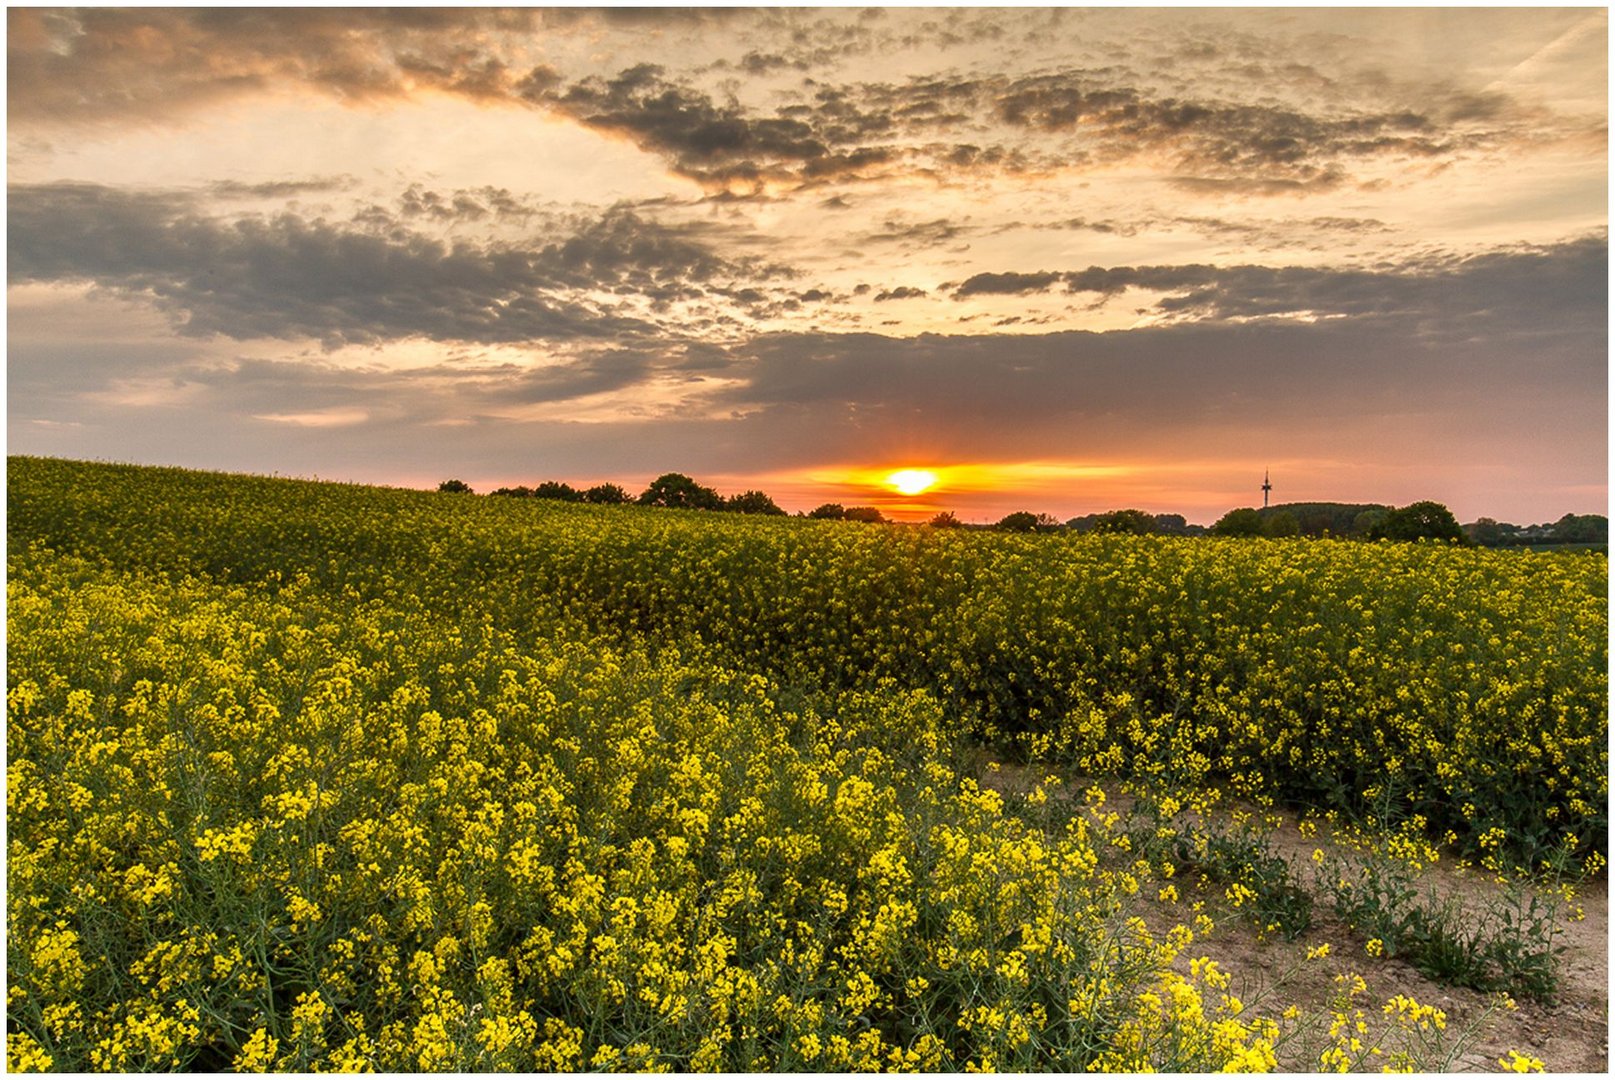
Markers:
<point>678,492</point>
<point>1019,521</point>
<point>609,494</point>
<point>555,489</point>
<point>1136,522</point>
<point>864,513</point>
<point>752,502</point>
<point>457,487</point>
<point>1246,521</point>
<point>828,512</point>
<point>1424,520</point>
<point>522,492</point>
<point>945,520</point>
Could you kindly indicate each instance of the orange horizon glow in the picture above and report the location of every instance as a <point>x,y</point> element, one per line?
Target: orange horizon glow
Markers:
<point>914,493</point>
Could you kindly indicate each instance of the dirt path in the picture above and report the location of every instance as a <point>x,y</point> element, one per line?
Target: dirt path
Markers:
<point>1569,1035</point>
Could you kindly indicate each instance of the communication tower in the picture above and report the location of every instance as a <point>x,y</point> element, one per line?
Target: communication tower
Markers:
<point>1267,486</point>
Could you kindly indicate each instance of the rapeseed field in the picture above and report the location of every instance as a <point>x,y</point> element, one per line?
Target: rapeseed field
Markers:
<point>308,777</point>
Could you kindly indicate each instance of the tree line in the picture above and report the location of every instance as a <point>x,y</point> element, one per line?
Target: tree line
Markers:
<point>672,490</point>
<point>1424,519</point>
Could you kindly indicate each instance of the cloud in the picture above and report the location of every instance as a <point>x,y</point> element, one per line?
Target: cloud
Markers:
<point>1008,283</point>
<point>1502,291</point>
<point>1213,132</point>
<point>279,189</point>
<point>1216,139</point>
<point>717,144</point>
<point>289,277</point>
<point>1439,354</point>
<point>902,292</point>
<point>322,418</point>
<point>91,64</point>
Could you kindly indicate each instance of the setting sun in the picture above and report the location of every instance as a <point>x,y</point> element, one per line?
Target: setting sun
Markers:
<point>911,481</point>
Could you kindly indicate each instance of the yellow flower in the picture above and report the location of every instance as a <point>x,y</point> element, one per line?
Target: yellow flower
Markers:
<point>1520,1063</point>
<point>23,1054</point>
<point>258,1055</point>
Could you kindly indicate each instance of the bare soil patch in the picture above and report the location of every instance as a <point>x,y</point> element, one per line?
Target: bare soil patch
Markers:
<point>1569,1034</point>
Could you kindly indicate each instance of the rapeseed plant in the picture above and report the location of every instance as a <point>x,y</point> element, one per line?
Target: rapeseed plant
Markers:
<point>303,778</point>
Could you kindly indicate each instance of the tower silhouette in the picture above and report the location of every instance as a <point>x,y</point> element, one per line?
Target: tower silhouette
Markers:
<point>1267,486</point>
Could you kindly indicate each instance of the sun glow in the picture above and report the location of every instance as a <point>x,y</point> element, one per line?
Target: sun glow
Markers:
<point>912,481</point>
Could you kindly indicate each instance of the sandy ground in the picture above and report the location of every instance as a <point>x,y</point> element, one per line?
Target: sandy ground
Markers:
<point>1571,1034</point>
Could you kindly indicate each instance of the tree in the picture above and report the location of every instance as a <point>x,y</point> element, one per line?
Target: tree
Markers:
<point>864,513</point>
<point>456,487</point>
<point>752,502</point>
<point>1581,529</point>
<point>1369,521</point>
<point>1136,522</point>
<point>1282,523</point>
<point>945,520</point>
<point>609,494</point>
<point>1424,520</point>
<point>678,492</point>
<point>555,489</point>
<point>522,492</point>
<point>828,512</point>
<point>1246,521</point>
<point>1487,532</point>
<point>1019,521</point>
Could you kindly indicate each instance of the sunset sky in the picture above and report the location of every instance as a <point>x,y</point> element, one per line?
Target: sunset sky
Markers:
<point>1069,260</point>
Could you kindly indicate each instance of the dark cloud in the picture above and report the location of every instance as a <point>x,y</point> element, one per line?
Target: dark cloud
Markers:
<point>1443,359</point>
<point>1287,232</point>
<point>1216,139</point>
<point>286,276</point>
<point>718,144</point>
<point>462,206</point>
<point>1009,283</point>
<point>917,234</point>
<point>1320,180</point>
<point>279,189</point>
<point>1501,293</point>
<point>902,292</point>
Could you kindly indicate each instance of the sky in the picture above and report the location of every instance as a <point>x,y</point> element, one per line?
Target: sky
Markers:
<point>1068,260</point>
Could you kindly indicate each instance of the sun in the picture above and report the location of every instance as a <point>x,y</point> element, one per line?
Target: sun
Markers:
<point>911,481</point>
